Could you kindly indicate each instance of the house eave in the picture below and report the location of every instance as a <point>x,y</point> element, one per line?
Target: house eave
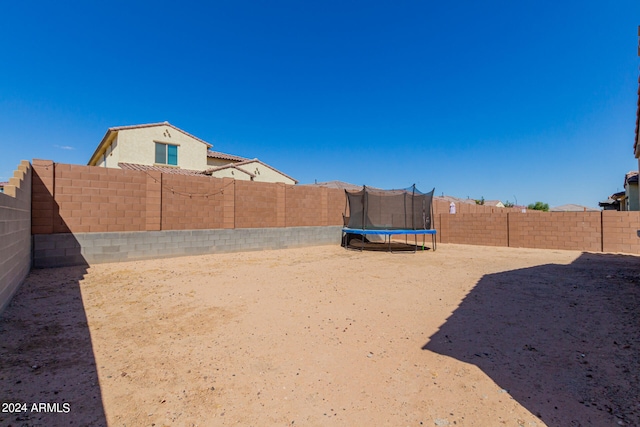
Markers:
<point>107,139</point>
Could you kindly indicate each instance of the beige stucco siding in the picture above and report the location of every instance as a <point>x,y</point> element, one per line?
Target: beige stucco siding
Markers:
<point>111,155</point>
<point>138,146</point>
<point>632,197</point>
<point>231,173</point>
<point>265,174</point>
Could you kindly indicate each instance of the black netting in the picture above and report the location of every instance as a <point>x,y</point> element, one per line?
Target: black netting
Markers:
<point>371,209</point>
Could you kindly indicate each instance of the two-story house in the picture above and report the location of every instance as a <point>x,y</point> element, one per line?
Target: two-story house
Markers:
<point>164,147</point>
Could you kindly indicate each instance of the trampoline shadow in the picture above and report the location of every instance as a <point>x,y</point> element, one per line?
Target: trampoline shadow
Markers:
<point>358,244</point>
<point>562,340</point>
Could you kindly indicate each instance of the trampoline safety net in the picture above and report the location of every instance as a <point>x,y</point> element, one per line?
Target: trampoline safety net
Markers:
<point>373,209</point>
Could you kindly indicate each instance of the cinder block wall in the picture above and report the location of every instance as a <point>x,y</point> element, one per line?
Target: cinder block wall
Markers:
<point>606,231</point>
<point>54,250</point>
<point>259,204</point>
<point>15,232</point>
<point>475,229</point>
<point>85,199</point>
<point>89,199</point>
<point>620,232</point>
<point>192,202</point>
<point>581,231</point>
<point>82,199</point>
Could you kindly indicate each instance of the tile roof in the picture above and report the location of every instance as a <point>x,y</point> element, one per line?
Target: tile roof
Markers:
<point>163,169</point>
<point>229,166</point>
<point>249,161</point>
<point>224,156</point>
<point>150,125</point>
<point>631,177</point>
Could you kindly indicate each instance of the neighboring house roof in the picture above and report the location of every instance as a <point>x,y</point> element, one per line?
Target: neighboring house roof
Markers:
<point>494,203</point>
<point>631,178</point>
<point>229,166</point>
<point>614,198</point>
<point>455,199</point>
<point>111,132</point>
<point>223,156</point>
<point>247,162</point>
<point>163,169</point>
<point>340,185</point>
<point>570,207</point>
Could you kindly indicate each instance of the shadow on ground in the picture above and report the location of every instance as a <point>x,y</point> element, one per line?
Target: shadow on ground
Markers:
<point>46,354</point>
<point>562,340</point>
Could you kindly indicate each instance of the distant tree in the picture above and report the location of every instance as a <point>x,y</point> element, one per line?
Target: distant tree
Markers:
<point>509,204</point>
<point>480,201</point>
<point>539,206</point>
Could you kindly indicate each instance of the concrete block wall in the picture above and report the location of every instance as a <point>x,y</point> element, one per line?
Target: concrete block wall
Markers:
<point>78,199</point>
<point>620,232</point>
<point>15,232</point>
<point>606,231</point>
<point>474,229</point>
<point>580,231</point>
<point>306,206</point>
<point>259,204</point>
<point>52,250</point>
<point>81,199</point>
<point>192,202</point>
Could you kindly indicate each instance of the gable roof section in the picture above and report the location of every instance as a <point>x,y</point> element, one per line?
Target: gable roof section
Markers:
<point>163,169</point>
<point>113,131</point>
<point>494,203</point>
<point>246,162</point>
<point>223,156</point>
<point>229,166</point>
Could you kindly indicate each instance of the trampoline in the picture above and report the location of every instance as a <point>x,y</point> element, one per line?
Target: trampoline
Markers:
<point>386,213</point>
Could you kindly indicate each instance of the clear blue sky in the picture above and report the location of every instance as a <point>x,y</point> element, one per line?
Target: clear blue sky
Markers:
<point>496,99</point>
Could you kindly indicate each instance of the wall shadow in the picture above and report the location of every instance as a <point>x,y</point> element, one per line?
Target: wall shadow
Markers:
<point>46,353</point>
<point>562,340</point>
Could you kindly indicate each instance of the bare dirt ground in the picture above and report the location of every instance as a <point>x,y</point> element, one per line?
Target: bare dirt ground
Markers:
<point>465,336</point>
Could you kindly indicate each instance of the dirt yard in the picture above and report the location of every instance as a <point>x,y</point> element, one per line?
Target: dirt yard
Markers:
<point>463,336</point>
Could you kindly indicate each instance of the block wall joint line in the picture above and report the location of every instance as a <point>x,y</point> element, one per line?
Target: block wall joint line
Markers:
<point>508,232</point>
<point>601,232</point>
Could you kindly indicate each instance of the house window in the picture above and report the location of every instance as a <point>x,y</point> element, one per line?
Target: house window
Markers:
<point>166,154</point>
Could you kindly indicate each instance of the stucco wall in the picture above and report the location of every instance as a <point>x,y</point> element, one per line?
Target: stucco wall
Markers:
<point>15,233</point>
<point>137,146</point>
<point>265,174</point>
<point>111,155</point>
<point>632,195</point>
<point>231,173</point>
